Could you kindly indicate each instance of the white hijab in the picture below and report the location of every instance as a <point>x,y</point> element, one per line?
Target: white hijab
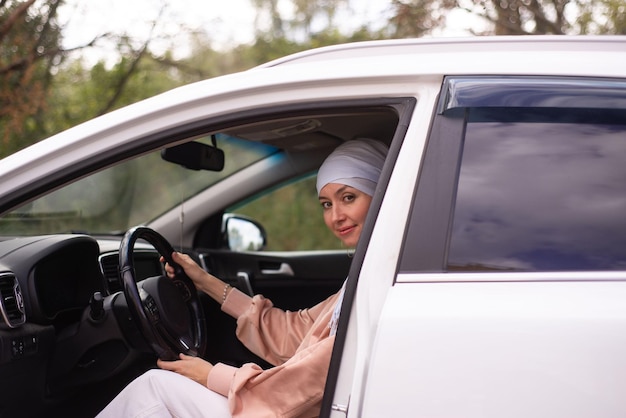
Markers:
<point>355,163</point>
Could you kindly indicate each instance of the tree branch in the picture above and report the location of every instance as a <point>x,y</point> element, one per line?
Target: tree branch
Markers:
<point>17,13</point>
<point>119,88</point>
<point>543,24</point>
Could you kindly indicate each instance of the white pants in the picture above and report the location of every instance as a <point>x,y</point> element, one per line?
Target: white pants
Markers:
<point>162,393</point>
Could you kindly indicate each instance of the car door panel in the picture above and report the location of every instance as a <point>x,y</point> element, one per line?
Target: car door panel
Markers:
<point>291,280</point>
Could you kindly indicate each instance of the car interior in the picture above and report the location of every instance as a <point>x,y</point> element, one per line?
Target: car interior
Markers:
<point>78,303</point>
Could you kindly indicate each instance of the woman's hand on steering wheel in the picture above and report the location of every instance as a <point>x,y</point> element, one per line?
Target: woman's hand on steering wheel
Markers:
<point>204,281</point>
<point>191,268</point>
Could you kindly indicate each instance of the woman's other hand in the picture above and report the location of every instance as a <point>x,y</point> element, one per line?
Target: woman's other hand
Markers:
<point>194,368</point>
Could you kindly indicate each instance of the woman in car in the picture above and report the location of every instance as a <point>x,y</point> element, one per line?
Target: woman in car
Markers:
<point>298,344</point>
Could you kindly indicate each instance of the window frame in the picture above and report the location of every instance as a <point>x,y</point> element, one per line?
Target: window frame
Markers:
<point>427,235</point>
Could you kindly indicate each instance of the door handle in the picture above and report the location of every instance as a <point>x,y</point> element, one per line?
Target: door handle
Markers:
<point>283,270</point>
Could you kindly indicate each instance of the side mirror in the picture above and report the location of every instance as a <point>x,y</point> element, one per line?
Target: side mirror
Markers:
<point>241,233</point>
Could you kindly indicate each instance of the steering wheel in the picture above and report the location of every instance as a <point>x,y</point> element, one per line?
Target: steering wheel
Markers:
<point>167,311</point>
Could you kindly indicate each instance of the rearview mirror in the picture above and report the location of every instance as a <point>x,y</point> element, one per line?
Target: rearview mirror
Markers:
<point>195,156</point>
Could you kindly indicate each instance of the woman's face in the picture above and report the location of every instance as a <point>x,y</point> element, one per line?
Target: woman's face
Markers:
<point>345,209</point>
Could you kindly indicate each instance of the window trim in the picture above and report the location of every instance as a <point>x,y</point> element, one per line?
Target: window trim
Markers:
<point>532,91</point>
<point>427,234</point>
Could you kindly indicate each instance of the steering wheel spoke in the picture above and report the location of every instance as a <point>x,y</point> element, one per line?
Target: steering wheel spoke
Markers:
<point>150,306</point>
<point>184,290</point>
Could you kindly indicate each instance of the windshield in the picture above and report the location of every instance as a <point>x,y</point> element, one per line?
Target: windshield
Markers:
<point>128,194</point>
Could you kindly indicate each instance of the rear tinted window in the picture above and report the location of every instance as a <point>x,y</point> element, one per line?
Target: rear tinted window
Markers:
<point>541,191</point>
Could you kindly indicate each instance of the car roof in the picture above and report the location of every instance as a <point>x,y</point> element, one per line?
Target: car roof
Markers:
<point>374,50</point>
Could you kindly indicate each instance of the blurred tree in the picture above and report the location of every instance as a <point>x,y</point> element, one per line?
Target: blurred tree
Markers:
<point>307,24</point>
<point>306,12</point>
<point>205,62</point>
<point>42,93</point>
<point>39,96</point>
<point>414,18</point>
<point>80,92</point>
<point>300,20</point>
<point>270,7</point>
<point>518,17</point>
<point>29,49</point>
<point>601,17</point>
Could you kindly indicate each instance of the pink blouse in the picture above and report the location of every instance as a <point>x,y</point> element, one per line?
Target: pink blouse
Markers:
<point>298,344</point>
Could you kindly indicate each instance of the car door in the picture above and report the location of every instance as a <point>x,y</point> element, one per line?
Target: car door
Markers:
<point>511,280</point>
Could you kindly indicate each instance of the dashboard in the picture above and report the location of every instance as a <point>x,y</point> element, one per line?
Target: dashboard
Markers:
<point>49,344</point>
<point>59,274</point>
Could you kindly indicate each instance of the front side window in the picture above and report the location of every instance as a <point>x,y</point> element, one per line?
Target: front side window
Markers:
<point>292,217</point>
<point>541,192</point>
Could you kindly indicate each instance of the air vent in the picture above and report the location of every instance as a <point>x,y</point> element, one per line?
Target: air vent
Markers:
<point>146,264</point>
<point>11,302</point>
<point>109,266</point>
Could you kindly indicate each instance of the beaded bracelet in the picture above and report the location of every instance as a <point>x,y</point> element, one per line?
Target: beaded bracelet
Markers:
<point>226,287</point>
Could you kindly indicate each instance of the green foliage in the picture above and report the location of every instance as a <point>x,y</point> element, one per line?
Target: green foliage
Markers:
<point>203,62</point>
<point>29,47</point>
<point>416,18</point>
<point>303,14</point>
<point>80,93</point>
<point>601,17</point>
<point>558,17</point>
